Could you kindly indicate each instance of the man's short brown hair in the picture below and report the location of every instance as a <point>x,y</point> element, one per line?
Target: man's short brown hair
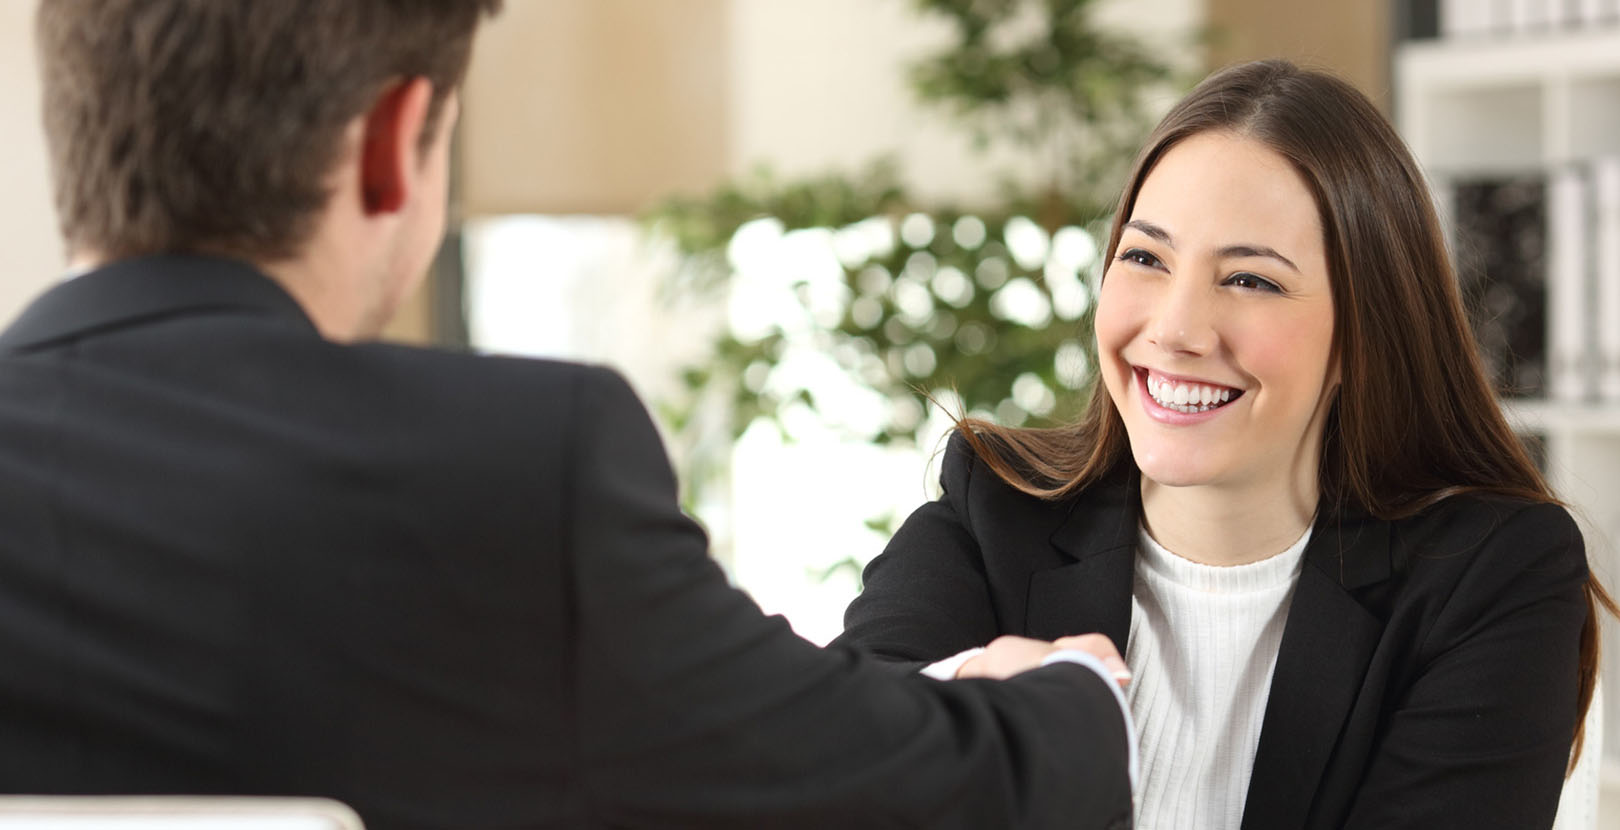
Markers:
<point>210,126</point>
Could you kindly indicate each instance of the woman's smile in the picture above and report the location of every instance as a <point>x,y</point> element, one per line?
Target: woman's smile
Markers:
<point>1169,395</point>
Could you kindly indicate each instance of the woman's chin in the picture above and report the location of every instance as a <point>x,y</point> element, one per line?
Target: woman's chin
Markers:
<point>1177,474</point>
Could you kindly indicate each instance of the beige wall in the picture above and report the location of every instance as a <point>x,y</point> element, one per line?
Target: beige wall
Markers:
<point>594,106</point>
<point>31,257</point>
<point>1351,38</point>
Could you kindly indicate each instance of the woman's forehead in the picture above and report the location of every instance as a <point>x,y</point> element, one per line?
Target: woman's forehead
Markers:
<point>1219,189</point>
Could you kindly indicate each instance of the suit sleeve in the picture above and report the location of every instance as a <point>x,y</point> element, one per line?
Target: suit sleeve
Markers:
<point>1482,735</point>
<point>696,710</point>
<point>926,597</point>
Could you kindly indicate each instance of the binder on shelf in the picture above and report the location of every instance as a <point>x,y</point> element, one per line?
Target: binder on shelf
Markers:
<point>1529,15</point>
<point>1494,16</point>
<point>1606,274</point>
<point>1472,18</point>
<point>1567,261</point>
<point>1453,18</point>
<point>1597,11</point>
<point>1563,14</point>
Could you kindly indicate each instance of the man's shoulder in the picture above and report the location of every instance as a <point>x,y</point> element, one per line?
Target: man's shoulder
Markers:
<point>509,380</point>
<point>477,365</point>
<point>482,398</point>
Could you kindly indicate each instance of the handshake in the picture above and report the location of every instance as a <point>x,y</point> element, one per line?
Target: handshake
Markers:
<point>1008,655</point>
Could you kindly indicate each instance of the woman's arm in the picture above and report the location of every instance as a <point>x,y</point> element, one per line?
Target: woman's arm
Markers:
<point>1481,737</point>
<point>926,596</point>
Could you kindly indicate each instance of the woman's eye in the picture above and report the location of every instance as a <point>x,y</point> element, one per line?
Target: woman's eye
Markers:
<point>1140,257</point>
<point>1253,282</point>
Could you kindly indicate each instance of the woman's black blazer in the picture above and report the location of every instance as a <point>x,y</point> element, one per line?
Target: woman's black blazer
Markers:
<point>1427,676</point>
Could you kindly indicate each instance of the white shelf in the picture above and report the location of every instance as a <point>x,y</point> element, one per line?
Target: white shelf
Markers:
<point>1525,102</point>
<point>1487,61</point>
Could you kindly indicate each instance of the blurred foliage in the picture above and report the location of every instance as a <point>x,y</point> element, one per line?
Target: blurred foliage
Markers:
<point>1041,75</point>
<point>990,310</point>
<point>987,311</point>
<point>702,226</point>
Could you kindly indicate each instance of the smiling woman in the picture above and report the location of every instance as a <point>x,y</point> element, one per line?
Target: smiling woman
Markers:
<point>1200,301</point>
<point>1345,595</point>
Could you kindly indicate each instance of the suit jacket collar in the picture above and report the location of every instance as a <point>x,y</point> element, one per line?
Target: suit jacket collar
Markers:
<point>1328,639</point>
<point>1093,591</point>
<point>132,290</point>
<point>1327,644</point>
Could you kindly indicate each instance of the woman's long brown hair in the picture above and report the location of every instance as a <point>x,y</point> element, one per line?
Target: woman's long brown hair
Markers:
<point>1415,420</point>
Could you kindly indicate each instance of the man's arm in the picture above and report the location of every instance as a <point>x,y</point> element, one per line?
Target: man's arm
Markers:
<point>696,710</point>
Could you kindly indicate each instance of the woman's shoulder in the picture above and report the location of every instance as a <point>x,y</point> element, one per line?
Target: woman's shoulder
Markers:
<point>1485,514</point>
<point>1480,531</point>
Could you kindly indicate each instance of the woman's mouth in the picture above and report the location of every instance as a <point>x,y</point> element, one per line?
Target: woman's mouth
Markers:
<point>1188,397</point>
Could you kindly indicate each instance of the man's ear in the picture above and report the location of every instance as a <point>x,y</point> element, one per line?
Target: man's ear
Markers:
<point>390,154</point>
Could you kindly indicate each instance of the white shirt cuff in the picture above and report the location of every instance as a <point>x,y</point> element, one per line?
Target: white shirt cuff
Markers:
<point>946,669</point>
<point>1090,661</point>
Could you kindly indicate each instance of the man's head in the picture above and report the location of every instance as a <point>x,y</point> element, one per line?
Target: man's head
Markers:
<point>201,126</point>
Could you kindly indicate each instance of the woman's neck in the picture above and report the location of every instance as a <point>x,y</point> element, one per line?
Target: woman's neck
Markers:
<point>1221,525</point>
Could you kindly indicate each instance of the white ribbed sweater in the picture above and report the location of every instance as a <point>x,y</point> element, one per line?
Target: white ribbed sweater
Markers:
<point>1203,644</point>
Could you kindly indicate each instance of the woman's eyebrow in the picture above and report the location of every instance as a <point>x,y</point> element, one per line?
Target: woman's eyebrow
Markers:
<point>1256,250</point>
<point>1227,252</point>
<point>1152,230</point>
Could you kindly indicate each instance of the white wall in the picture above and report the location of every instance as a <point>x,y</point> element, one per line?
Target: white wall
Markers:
<point>31,257</point>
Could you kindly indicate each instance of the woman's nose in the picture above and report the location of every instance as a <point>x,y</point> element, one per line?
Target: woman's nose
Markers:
<point>1183,321</point>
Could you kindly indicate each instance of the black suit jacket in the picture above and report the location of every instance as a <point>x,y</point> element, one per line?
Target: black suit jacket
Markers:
<point>450,590</point>
<point>1427,672</point>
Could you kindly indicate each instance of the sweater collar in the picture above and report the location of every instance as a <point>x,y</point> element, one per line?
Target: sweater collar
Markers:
<point>1277,570</point>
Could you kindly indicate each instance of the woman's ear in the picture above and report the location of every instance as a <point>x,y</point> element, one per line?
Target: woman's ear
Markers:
<point>391,147</point>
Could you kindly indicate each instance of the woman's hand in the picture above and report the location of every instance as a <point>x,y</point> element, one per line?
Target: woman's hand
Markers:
<point>1008,655</point>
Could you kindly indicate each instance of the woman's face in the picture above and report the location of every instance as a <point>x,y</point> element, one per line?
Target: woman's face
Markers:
<point>1215,320</point>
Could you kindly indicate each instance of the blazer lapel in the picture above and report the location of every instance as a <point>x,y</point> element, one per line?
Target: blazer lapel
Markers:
<point>1093,591</point>
<point>1327,643</point>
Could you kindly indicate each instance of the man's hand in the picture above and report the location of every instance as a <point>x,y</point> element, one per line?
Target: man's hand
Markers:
<point>1008,655</point>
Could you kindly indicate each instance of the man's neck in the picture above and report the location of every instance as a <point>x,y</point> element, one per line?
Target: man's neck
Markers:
<point>336,303</point>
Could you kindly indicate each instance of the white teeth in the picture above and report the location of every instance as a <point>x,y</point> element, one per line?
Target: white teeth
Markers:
<point>1187,398</point>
